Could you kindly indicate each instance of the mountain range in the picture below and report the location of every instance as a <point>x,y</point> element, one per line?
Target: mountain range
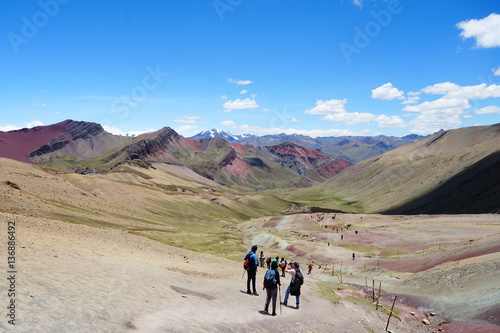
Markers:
<point>455,171</point>
<point>87,147</point>
<point>353,149</point>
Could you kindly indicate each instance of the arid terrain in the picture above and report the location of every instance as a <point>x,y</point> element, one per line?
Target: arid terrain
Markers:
<point>141,250</point>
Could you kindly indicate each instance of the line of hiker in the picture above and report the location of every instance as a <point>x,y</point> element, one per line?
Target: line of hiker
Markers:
<point>272,281</point>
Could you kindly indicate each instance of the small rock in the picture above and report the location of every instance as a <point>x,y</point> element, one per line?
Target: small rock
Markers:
<point>412,313</point>
<point>426,321</point>
<point>432,313</point>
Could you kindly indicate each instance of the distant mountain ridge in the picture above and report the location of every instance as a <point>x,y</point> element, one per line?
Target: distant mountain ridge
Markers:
<point>353,149</point>
<point>86,147</point>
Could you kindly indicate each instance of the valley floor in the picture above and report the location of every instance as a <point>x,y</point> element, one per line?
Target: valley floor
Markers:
<point>74,278</point>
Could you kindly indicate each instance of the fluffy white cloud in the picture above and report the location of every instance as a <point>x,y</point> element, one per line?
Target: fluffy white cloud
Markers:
<point>390,121</point>
<point>187,119</point>
<point>187,130</point>
<point>437,114</point>
<point>239,104</point>
<point>351,118</point>
<point>117,131</point>
<point>387,92</point>
<point>452,90</point>
<point>294,120</point>
<point>496,71</point>
<point>8,128</point>
<point>485,31</point>
<point>243,92</point>
<point>239,82</point>
<point>441,88</point>
<point>228,123</point>
<point>333,106</point>
<point>488,110</point>
<point>312,133</point>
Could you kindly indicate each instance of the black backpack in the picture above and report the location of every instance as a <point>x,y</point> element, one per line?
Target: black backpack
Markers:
<point>299,278</point>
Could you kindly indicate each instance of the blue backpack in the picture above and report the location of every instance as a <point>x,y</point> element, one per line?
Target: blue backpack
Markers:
<point>270,279</point>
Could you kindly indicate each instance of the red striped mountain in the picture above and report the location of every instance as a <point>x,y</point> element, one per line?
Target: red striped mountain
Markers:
<point>229,163</point>
<point>45,144</point>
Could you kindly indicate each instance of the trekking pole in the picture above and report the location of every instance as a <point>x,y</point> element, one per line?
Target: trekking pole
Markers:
<point>243,274</point>
<point>279,291</point>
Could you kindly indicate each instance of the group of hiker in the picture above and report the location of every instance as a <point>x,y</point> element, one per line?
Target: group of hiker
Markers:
<point>272,281</point>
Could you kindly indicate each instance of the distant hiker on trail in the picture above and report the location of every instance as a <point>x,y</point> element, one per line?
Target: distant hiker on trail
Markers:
<point>353,256</point>
<point>341,237</point>
<point>271,283</point>
<point>310,267</point>
<point>295,283</point>
<point>268,262</point>
<point>251,269</point>
<point>283,266</point>
<point>262,258</point>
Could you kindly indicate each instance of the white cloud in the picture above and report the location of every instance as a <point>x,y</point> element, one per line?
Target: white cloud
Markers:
<point>485,31</point>
<point>351,118</point>
<point>187,130</point>
<point>117,131</point>
<point>411,100</point>
<point>437,114</point>
<point>488,110</point>
<point>240,104</point>
<point>224,97</point>
<point>228,123</point>
<point>496,71</point>
<point>452,90</point>
<point>387,92</point>
<point>390,121</point>
<point>8,128</point>
<point>294,120</point>
<point>239,82</point>
<point>187,119</point>
<point>243,92</point>
<point>312,133</point>
<point>333,106</point>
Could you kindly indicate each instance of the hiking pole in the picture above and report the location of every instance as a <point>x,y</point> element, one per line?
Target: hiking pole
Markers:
<point>279,291</point>
<point>243,274</point>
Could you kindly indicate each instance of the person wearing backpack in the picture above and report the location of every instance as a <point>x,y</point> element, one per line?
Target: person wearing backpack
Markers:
<point>271,283</point>
<point>251,268</point>
<point>295,284</point>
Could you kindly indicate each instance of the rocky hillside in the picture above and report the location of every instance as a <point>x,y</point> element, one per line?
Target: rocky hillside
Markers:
<point>248,166</point>
<point>73,140</point>
<point>456,171</point>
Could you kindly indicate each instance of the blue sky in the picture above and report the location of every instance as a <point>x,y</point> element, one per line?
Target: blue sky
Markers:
<point>321,68</point>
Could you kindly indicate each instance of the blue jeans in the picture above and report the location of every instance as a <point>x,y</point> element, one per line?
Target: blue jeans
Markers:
<point>287,294</point>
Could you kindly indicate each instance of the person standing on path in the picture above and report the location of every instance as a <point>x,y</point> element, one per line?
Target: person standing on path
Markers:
<point>271,286</point>
<point>253,264</point>
<point>295,283</point>
<point>262,259</point>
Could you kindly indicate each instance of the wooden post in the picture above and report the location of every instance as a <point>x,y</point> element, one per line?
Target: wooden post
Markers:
<point>378,296</point>
<point>373,290</point>
<point>390,314</point>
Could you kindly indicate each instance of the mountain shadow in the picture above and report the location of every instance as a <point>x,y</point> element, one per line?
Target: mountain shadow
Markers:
<point>475,190</point>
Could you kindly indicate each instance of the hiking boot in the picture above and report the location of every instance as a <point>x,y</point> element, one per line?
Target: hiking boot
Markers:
<point>274,314</point>
<point>255,294</point>
<point>284,303</point>
<point>249,292</point>
<point>297,307</point>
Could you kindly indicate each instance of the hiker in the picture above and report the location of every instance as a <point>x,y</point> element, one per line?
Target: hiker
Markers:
<point>310,267</point>
<point>353,256</point>
<point>262,258</point>
<point>268,262</point>
<point>283,266</point>
<point>295,283</point>
<point>271,283</point>
<point>253,264</point>
<point>341,237</point>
